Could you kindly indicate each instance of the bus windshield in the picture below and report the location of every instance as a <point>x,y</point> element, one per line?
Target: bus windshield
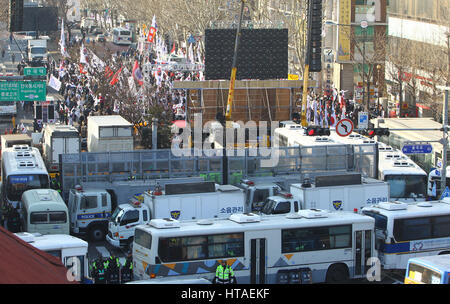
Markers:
<point>421,274</point>
<point>18,184</point>
<point>38,50</point>
<point>407,186</point>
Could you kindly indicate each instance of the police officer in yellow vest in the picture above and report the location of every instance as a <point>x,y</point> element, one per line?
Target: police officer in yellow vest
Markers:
<point>224,274</point>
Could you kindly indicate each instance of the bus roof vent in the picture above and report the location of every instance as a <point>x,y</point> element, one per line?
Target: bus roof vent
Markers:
<point>25,236</point>
<point>323,139</point>
<point>425,204</point>
<point>26,164</point>
<point>393,206</point>
<point>23,154</point>
<point>21,148</point>
<point>313,213</point>
<point>205,222</point>
<point>242,218</point>
<point>165,223</point>
<point>294,215</point>
<point>368,141</point>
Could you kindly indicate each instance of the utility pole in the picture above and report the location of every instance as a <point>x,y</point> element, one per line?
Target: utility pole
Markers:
<point>444,140</point>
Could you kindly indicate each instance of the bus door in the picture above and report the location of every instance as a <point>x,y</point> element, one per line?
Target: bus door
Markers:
<point>362,248</point>
<point>258,261</point>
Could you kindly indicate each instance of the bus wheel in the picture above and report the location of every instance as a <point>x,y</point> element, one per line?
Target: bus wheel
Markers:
<point>97,233</point>
<point>337,273</point>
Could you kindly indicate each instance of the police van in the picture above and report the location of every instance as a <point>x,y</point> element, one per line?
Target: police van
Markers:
<point>44,211</point>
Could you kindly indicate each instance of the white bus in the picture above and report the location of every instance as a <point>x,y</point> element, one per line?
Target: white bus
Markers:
<point>305,247</point>
<point>22,169</point>
<point>44,211</point>
<point>122,36</point>
<point>407,181</point>
<point>71,250</point>
<point>293,135</point>
<point>404,231</point>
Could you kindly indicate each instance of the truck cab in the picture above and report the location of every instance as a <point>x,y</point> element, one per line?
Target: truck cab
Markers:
<point>280,204</point>
<point>37,50</point>
<point>123,220</point>
<point>256,194</point>
<point>89,211</point>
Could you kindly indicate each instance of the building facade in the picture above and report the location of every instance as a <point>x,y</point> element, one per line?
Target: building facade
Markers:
<point>420,29</point>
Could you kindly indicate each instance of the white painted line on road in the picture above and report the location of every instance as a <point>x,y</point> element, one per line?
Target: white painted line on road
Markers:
<point>103,251</point>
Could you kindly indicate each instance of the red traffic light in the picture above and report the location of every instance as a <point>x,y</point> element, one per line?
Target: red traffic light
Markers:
<point>311,132</point>
<point>371,133</point>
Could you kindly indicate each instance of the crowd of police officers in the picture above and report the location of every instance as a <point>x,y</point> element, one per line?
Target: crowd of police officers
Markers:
<point>110,271</point>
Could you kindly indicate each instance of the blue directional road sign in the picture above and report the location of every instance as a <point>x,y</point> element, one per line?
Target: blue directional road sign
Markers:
<point>417,149</point>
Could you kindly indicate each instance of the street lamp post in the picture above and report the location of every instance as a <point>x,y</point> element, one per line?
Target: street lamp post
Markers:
<point>364,25</point>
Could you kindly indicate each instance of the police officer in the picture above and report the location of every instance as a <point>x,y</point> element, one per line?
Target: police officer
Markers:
<point>55,184</point>
<point>224,274</point>
<point>112,270</point>
<point>13,220</point>
<point>98,271</point>
<point>126,272</point>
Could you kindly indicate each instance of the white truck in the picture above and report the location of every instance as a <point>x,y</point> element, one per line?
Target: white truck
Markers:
<point>348,192</point>
<point>109,133</point>
<point>92,203</point>
<point>257,192</point>
<point>37,50</point>
<point>89,212</point>
<point>59,139</point>
<point>190,201</point>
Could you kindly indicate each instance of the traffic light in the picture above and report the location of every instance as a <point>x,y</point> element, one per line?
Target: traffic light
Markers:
<point>314,48</point>
<point>317,131</point>
<point>377,132</point>
<point>15,15</point>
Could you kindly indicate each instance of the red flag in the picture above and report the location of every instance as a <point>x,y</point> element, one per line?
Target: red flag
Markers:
<point>173,49</point>
<point>82,71</point>
<point>115,79</point>
<point>151,34</point>
<point>137,74</point>
<point>107,71</point>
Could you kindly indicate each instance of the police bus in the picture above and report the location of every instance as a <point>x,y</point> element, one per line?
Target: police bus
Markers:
<point>433,269</point>
<point>44,211</point>
<point>71,250</point>
<point>309,246</point>
<point>407,181</point>
<point>22,169</point>
<point>404,231</point>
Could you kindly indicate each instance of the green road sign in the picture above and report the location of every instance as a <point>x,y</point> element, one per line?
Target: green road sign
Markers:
<point>23,90</point>
<point>39,71</point>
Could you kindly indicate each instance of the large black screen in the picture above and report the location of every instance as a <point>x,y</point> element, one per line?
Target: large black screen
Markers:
<point>262,54</point>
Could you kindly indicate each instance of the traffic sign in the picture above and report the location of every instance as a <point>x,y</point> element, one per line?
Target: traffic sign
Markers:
<point>23,90</point>
<point>417,148</point>
<point>344,127</point>
<point>363,120</point>
<point>38,71</point>
<point>446,193</point>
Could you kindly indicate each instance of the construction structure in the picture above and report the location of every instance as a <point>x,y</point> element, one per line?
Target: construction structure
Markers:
<point>254,100</point>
